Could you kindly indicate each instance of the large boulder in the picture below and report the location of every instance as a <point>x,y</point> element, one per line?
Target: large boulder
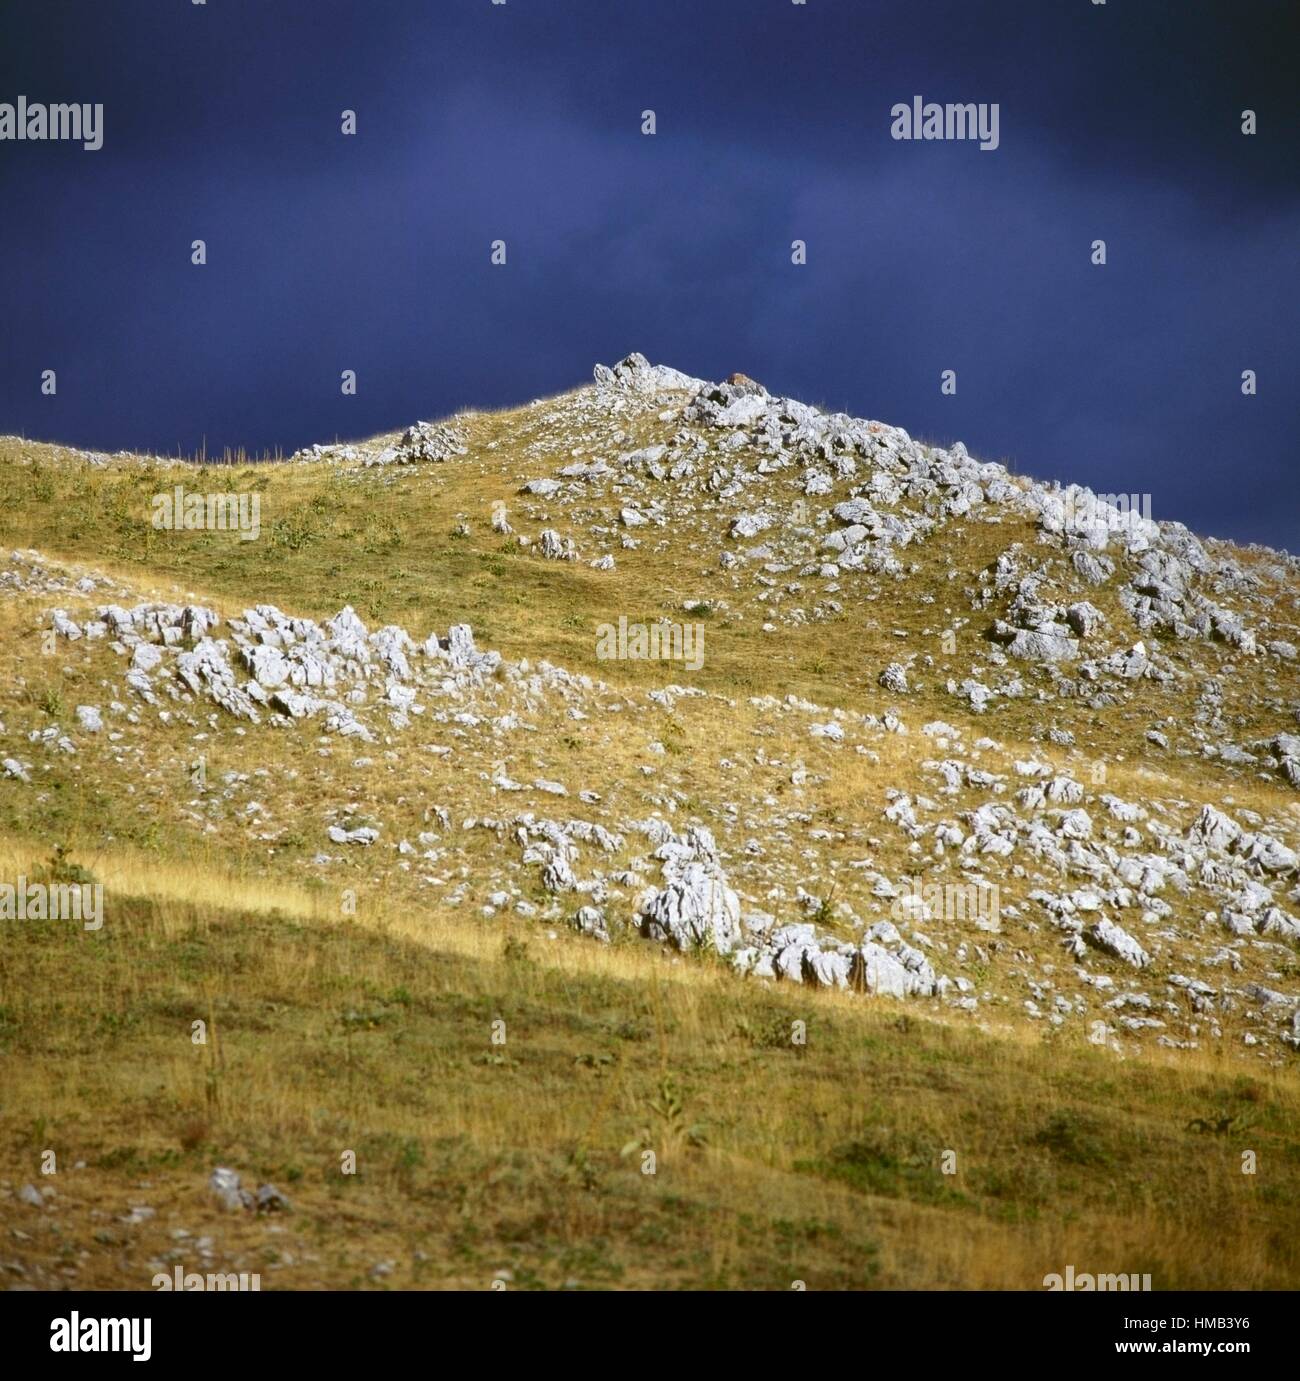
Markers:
<point>695,909</point>
<point>1116,940</point>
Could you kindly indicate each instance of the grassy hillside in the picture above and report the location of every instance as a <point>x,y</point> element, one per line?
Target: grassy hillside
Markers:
<point>350,993</point>
<point>775,1162</point>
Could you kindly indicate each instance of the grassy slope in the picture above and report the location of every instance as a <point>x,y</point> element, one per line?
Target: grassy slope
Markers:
<point>818,1163</point>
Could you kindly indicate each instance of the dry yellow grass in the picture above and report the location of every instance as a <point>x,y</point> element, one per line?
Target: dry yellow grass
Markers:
<point>819,1162</point>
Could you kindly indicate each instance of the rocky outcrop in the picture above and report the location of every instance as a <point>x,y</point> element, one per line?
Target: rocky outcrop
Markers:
<point>695,907</point>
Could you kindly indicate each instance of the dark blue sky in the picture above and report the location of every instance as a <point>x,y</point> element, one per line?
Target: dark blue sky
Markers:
<point>522,122</point>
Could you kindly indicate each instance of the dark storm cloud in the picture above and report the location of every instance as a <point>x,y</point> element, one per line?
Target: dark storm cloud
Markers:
<point>1119,122</point>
